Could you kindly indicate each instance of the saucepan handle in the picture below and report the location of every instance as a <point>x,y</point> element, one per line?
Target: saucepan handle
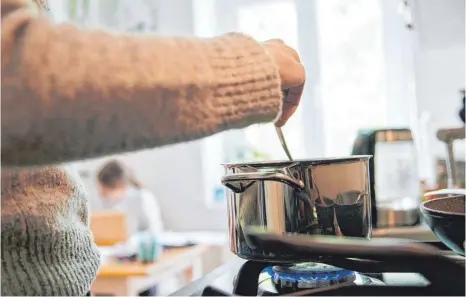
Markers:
<point>239,182</point>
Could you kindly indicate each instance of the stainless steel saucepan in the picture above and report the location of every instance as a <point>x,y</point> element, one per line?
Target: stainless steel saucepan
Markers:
<point>329,197</point>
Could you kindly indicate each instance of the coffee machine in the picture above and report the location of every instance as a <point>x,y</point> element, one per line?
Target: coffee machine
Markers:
<point>394,179</point>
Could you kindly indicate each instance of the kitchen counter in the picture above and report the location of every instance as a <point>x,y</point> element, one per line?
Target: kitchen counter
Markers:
<point>222,276</point>
<point>421,232</point>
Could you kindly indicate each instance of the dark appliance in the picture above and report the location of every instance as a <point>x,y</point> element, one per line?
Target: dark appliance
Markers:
<point>394,181</point>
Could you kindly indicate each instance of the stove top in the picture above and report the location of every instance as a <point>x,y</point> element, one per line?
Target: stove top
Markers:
<point>441,274</point>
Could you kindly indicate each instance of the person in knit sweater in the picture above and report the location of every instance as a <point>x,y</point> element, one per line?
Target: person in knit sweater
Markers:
<point>70,94</point>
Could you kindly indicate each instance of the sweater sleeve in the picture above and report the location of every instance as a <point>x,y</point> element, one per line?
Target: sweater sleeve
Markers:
<point>70,93</point>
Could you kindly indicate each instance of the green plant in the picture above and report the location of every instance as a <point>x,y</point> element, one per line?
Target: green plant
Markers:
<point>73,9</point>
<point>260,156</point>
<point>74,5</point>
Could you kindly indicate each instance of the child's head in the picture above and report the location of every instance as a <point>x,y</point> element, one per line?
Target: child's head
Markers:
<point>114,181</point>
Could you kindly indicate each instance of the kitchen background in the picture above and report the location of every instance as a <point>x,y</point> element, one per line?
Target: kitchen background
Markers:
<point>370,64</point>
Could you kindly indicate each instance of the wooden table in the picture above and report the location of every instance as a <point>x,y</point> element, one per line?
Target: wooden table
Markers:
<point>129,279</point>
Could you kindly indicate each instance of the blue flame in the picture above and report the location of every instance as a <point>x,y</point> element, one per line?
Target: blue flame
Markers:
<point>335,275</point>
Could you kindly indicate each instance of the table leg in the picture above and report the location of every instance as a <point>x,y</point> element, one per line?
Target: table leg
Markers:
<point>197,269</point>
<point>188,275</point>
<point>193,272</point>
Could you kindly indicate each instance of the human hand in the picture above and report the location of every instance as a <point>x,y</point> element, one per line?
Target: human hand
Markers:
<point>292,75</point>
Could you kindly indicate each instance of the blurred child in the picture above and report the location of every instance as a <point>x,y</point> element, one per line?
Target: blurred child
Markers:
<point>121,191</point>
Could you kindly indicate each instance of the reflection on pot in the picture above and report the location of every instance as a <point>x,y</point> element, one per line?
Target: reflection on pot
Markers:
<point>326,215</point>
<point>349,212</point>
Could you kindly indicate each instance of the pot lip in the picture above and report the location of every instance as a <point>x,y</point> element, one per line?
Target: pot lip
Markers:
<point>313,161</point>
<point>426,208</point>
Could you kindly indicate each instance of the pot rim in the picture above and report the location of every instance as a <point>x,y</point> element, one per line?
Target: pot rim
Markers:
<point>314,161</point>
<point>426,208</point>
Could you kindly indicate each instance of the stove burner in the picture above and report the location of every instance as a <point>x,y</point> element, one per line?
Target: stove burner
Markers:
<point>277,280</point>
<point>309,275</point>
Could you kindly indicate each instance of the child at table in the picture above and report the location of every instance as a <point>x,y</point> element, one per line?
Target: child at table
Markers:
<point>121,191</point>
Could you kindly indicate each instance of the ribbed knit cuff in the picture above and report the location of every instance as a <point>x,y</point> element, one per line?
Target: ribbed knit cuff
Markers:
<point>248,81</point>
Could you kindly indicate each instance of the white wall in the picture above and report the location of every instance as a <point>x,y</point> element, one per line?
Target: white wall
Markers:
<point>440,68</point>
<point>440,63</point>
<point>399,66</point>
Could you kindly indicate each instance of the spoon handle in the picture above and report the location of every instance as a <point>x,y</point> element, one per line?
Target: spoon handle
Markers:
<point>281,137</point>
<point>283,143</point>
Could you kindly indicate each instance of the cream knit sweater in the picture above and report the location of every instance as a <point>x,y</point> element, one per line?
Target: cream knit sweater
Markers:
<point>69,94</point>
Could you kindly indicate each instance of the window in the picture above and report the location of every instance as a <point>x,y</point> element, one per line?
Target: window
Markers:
<point>266,20</point>
<point>262,20</point>
<point>352,70</point>
<point>120,15</point>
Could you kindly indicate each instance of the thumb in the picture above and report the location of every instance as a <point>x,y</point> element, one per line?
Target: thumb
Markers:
<point>291,99</point>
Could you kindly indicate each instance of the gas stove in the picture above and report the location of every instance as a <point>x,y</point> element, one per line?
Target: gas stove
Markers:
<point>442,274</point>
